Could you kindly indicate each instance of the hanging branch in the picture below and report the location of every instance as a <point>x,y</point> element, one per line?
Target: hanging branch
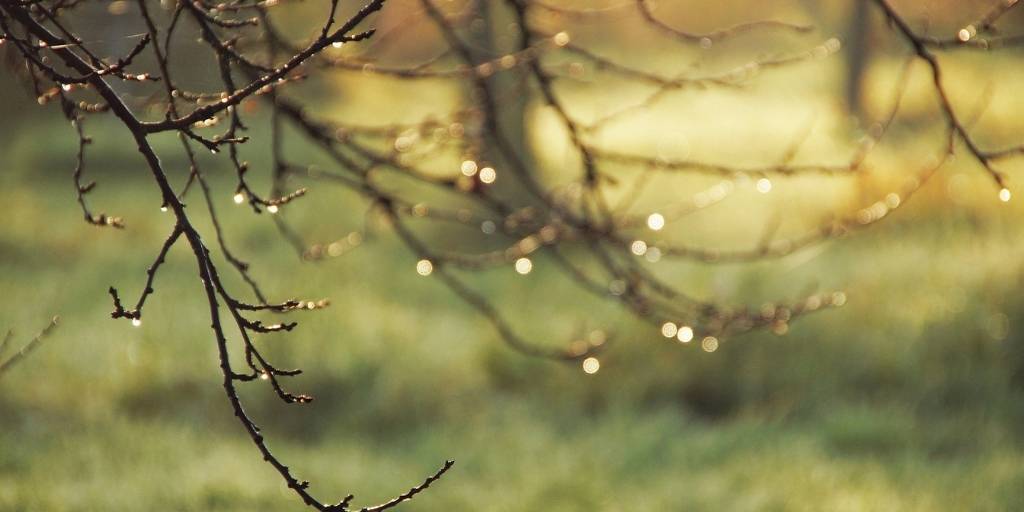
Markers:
<point>94,73</point>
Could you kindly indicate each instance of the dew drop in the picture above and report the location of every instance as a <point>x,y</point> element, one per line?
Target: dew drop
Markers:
<point>638,247</point>
<point>709,344</point>
<point>488,175</point>
<point>424,267</point>
<point>656,221</point>
<point>669,329</point>
<point>524,266</point>
<point>685,334</point>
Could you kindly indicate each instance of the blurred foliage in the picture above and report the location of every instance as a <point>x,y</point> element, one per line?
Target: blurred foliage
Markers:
<point>908,398</point>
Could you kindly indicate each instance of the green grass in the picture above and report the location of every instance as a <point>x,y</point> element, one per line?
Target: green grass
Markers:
<point>909,398</point>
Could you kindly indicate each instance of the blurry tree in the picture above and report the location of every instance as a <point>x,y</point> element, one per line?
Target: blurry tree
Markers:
<point>858,44</point>
<point>463,190</point>
<point>855,36</point>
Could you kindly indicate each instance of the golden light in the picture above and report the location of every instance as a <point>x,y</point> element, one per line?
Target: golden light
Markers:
<point>963,35</point>
<point>1004,195</point>
<point>764,185</point>
<point>136,322</point>
<point>335,249</point>
<point>239,197</point>
<point>561,38</point>
<point>468,168</point>
<point>272,208</point>
<point>163,209</point>
<point>656,221</point>
<point>117,7</point>
<point>709,344</point>
<point>591,365</point>
<point>669,329</point>
<point>403,144</point>
<point>838,298</point>
<point>488,175</point>
<point>617,287</point>
<point>685,334</point>
<point>780,328</point>
<point>424,267</point>
<point>638,247</point>
<point>524,266</point>
<point>264,376</point>
<point>653,255</point>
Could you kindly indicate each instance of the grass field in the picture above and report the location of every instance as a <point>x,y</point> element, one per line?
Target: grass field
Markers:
<point>909,398</point>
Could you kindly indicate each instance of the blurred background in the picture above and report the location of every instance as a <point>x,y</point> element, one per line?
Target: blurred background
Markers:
<point>910,397</point>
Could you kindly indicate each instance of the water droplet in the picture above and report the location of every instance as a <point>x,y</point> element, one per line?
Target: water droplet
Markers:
<point>524,266</point>
<point>591,365</point>
<point>488,175</point>
<point>638,247</point>
<point>656,221</point>
<point>136,322</point>
<point>709,344</point>
<point>669,329</point>
<point>424,267</point>
<point>617,287</point>
<point>653,255</point>
<point>685,334</point>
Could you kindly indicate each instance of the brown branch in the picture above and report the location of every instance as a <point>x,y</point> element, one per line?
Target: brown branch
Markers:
<point>26,349</point>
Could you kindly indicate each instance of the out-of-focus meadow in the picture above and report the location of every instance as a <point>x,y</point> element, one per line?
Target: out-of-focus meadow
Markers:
<point>910,397</point>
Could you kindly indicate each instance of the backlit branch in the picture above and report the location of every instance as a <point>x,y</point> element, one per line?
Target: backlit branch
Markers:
<point>465,190</point>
